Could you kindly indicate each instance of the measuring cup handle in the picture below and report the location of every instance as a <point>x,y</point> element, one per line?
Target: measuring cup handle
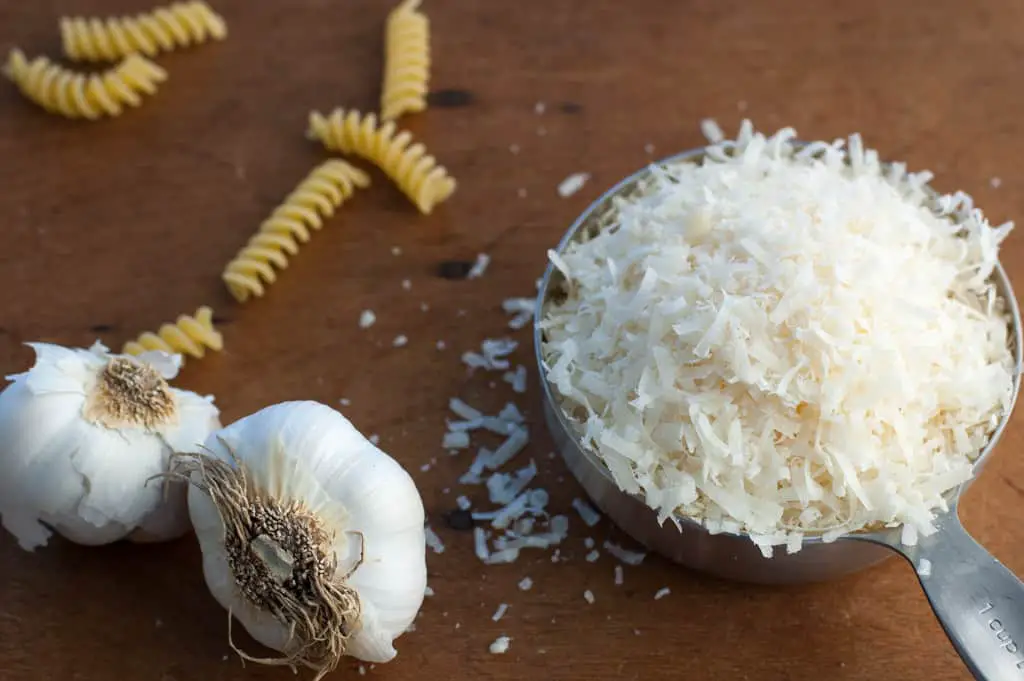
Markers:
<point>978,600</point>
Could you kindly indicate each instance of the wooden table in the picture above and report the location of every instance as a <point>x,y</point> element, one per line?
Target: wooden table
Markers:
<point>115,227</point>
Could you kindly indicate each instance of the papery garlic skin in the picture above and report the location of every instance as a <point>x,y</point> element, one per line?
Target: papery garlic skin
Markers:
<point>307,452</point>
<point>63,470</point>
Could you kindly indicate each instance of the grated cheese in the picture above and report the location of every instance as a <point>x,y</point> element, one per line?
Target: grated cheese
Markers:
<point>924,567</point>
<point>367,319</point>
<point>593,556</point>
<point>463,503</point>
<point>783,340</point>
<point>661,593</point>
<point>500,645</point>
<point>618,575</point>
<point>434,542</point>
<point>588,596</point>
<point>525,584</point>
<point>587,513</point>
<point>521,310</point>
<point>500,612</point>
<point>517,379</point>
<point>455,439</point>
<point>479,266</point>
<point>428,592</point>
<point>624,555</point>
<point>400,341</point>
<point>572,184</point>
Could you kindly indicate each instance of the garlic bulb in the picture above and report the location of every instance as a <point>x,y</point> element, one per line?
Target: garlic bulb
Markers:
<point>82,433</point>
<point>311,536</point>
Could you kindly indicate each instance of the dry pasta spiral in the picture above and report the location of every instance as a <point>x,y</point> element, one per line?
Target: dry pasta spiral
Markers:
<point>406,61</point>
<point>407,163</point>
<point>79,95</point>
<point>315,198</point>
<point>164,29</point>
<point>187,336</point>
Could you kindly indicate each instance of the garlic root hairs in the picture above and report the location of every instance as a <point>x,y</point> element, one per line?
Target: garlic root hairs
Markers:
<point>282,561</point>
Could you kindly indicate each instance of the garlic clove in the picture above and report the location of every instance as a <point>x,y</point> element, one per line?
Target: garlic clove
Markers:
<point>169,520</point>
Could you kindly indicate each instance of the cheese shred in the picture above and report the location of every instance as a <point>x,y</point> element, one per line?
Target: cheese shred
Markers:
<point>784,339</point>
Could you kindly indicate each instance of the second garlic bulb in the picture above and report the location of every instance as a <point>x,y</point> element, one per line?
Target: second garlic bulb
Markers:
<point>82,435</point>
<point>312,537</point>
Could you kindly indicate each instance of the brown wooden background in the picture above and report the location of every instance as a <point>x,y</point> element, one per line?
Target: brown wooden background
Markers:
<point>115,227</point>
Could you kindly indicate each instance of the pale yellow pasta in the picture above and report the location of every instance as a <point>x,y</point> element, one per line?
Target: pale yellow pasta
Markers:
<point>315,198</point>
<point>80,95</point>
<point>406,61</point>
<point>187,336</point>
<point>406,162</point>
<point>164,29</point>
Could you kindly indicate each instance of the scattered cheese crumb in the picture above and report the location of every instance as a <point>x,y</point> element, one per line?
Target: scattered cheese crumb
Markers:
<point>362,670</point>
<point>428,592</point>
<point>648,149</point>
<point>525,584</point>
<point>593,556</point>
<point>406,284</point>
<point>345,402</point>
<point>458,439</point>
<point>624,555</point>
<point>539,108</point>
<point>479,266</point>
<point>588,596</point>
<point>374,438</point>
<point>440,345</point>
<point>924,567</point>
<point>434,542</point>
<point>711,130</point>
<point>400,341</point>
<point>618,575</point>
<point>395,250</point>
<point>424,307</point>
<point>463,503</point>
<point>521,308</point>
<point>367,319</point>
<point>589,542</point>
<point>517,379</point>
<point>425,467</point>
<point>572,184</point>
<point>661,593</point>
<point>500,612</point>
<point>587,513</point>
<point>995,182</point>
<point>500,645</point>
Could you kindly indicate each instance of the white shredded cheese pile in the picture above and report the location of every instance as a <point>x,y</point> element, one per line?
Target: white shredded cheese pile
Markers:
<point>782,340</point>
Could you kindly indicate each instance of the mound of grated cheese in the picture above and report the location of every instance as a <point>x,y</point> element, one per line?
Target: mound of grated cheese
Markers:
<point>785,339</point>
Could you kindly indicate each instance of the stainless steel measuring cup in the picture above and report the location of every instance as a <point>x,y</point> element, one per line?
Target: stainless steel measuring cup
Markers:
<point>978,601</point>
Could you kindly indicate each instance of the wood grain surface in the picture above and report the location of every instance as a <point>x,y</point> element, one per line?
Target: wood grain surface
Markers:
<point>113,228</point>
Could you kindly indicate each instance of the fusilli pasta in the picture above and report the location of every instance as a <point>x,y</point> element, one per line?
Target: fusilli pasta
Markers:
<point>164,29</point>
<point>315,198</point>
<point>406,61</point>
<point>187,336</point>
<point>79,95</point>
<point>407,163</point>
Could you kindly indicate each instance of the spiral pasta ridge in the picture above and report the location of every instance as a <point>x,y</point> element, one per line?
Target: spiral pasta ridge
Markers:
<point>76,95</point>
<point>317,197</point>
<point>164,29</point>
<point>187,336</point>
<point>406,162</point>
<point>406,61</point>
